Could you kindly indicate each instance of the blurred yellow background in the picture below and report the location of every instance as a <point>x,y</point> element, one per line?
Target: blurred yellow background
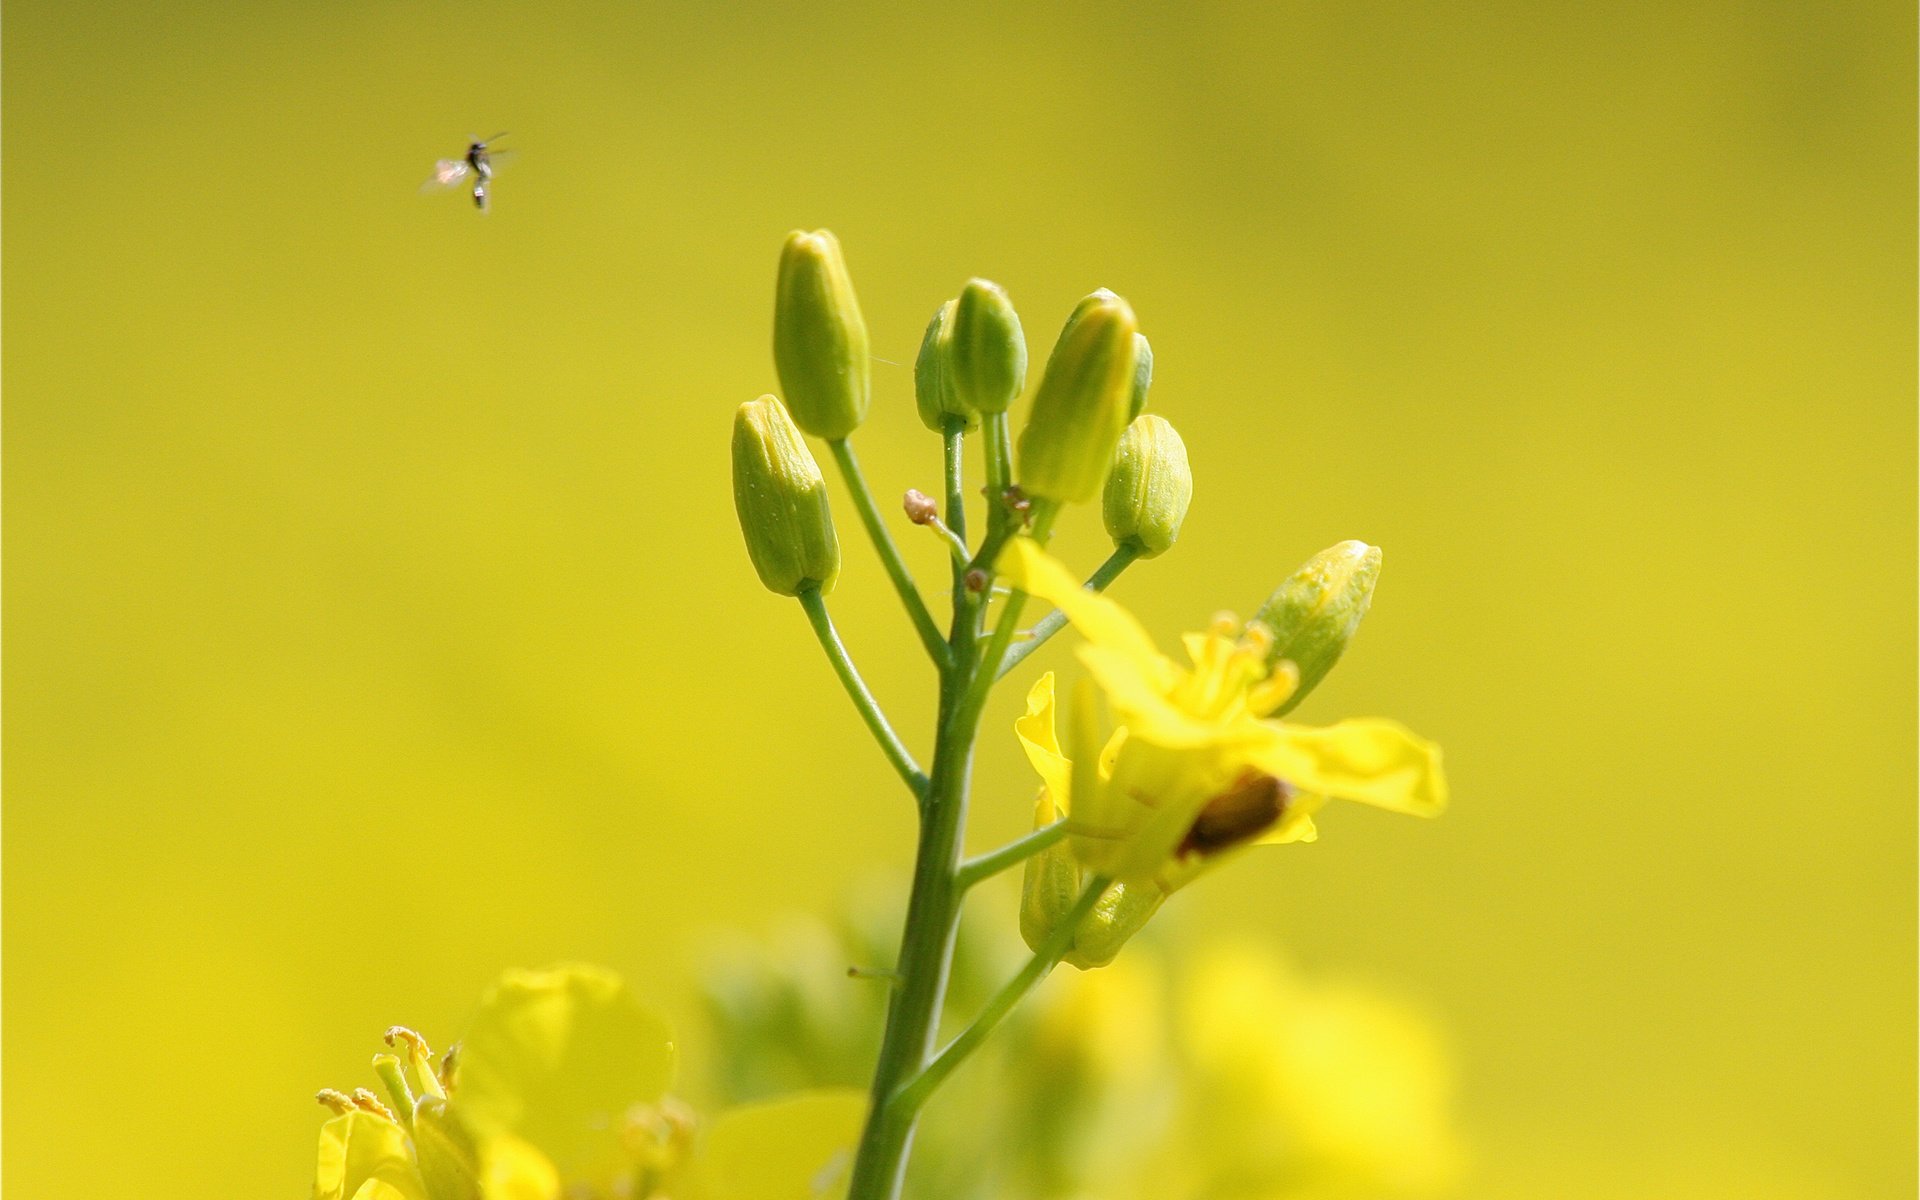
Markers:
<point>376,617</point>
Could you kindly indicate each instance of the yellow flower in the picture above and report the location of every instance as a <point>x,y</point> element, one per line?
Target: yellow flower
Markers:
<point>1195,766</point>
<point>559,1081</point>
<point>1326,1088</point>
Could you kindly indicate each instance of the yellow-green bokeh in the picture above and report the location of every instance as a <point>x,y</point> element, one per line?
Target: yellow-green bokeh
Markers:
<point>376,619</point>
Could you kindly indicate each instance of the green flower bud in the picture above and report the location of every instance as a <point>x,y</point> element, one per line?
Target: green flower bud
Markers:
<point>1122,911</point>
<point>819,337</point>
<point>1142,374</point>
<point>1149,488</point>
<point>1051,885</point>
<point>1314,614</point>
<point>988,352</point>
<point>1088,303</point>
<point>1080,409</point>
<point>782,501</point>
<point>933,392</point>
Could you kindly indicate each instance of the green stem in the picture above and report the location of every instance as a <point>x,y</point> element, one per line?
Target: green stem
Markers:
<point>889,553</point>
<point>999,455</point>
<point>1019,850</point>
<point>956,549</point>
<point>939,883</point>
<point>926,941</point>
<point>869,708</point>
<point>912,1096</point>
<point>954,432</point>
<point>982,682</point>
<point>1123,556</point>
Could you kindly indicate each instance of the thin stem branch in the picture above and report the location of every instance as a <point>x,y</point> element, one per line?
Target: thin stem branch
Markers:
<point>1019,850</point>
<point>954,433</point>
<point>956,548</point>
<point>889,553</point>
<point>914,1094</point>
<point>982,682</point>
<point>997,450</point>
<point>1123,556</point>
<point>869,708</point>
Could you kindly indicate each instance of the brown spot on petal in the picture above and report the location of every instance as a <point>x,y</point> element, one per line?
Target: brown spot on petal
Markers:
<point>1252,807</point>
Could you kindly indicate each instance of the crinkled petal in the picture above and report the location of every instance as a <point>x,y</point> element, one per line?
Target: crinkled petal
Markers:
<point>1042,744</point>
<point>1369,759</point>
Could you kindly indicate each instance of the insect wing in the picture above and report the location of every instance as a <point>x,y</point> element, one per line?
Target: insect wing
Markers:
<point>447,173</point>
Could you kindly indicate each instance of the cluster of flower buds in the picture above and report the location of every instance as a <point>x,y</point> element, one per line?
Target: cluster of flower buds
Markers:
<point>1086,435</point>
<point>973,358</point>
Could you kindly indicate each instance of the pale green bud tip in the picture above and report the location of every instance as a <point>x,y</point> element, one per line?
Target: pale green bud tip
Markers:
<point>933,392</point>
<point>1081,406</point>
<point>782,501</point>
<point>819,338</point>
<point>1314,614</point>
<point>1142,374</point>
<point>1149,488</point>
<point>989,349</point>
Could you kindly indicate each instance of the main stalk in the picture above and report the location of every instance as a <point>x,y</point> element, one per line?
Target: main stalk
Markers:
<point>933,910</point>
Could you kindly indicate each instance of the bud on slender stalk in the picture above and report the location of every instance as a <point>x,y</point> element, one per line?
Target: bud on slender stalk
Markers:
<point>1081,406</point>
<point>819,338</point>
<point>933,392</point>
<point>1142,374</point>
<point>988,350</point>
<point>782,501</point>
<point>1149,488</point>
<point>1314,614</point>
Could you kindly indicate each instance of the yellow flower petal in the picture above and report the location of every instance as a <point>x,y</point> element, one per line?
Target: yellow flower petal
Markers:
<point>1369,759</point>
<point>555,1057</point>
<point>1042,744</point>
<point>1032,570</point>
<point>362,1154</point>
<point>1297,825</point>
<point>513,1170</point>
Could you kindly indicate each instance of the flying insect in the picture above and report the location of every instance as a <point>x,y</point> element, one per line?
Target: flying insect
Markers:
<point>474,171</point>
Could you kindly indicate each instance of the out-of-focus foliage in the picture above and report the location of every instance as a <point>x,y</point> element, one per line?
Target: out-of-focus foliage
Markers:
<point>1210,1072</point>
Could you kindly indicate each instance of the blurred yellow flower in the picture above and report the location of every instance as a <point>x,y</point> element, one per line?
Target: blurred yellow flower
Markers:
<point>1195,768</point>
<point>559,1089</point>
<point>559,1070</point>
<point>1317,1088</point>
